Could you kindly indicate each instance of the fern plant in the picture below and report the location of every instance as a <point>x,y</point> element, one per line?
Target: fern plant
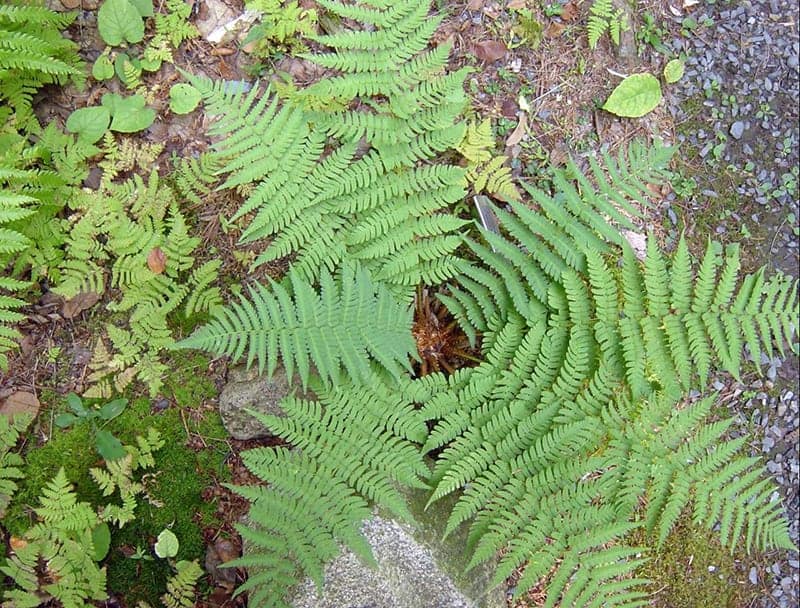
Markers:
<point>135,230</point>
<point>574,430</point>
<point>486,172</point>
<point>328,183</point>
<point>603,17</point>
<point>33,53</point>
<point>282,26</point>
<point>351,453</point>
<point>10,463</point>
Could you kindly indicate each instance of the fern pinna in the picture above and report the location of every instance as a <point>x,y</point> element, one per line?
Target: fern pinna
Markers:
<point>348,184</point>
<point>356,445</point>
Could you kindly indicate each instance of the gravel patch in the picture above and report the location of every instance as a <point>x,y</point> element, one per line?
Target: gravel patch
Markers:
<point>737,109</point>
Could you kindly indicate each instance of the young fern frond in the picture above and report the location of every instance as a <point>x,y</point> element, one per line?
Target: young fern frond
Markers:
<point>181,587</point>
<point>336,329</point>
<point>10,463</point>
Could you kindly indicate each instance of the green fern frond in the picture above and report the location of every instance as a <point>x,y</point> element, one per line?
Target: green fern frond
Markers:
<point>181,586</point>
<point>350,318</point>
<point>317,497</point>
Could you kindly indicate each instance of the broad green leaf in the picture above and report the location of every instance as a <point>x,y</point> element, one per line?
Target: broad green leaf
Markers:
<point>143,7</point>
<point>113,409</point>
<point>108,446</point>
<point>101,541</point>
<point>128,114</point>
<point>183,98</point>
<point>635,96</point>
<point>76,404</point>
<point>673,71</point>
<point>167,544</point>
<point>103,69</point>
<point>119,21</point>
<point>64,420</point>
<point>89,123</point>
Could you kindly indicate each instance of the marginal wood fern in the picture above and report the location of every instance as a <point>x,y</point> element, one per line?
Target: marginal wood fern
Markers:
<point>356,182</point>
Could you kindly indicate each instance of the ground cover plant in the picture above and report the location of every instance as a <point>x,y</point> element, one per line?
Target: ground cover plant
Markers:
<point>577,432</point>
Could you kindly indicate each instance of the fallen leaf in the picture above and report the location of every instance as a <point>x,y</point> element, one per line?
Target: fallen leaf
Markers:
<point>20,402</point>
<point>637,241</point>
<point>475,5</point>
<point>17,543</point>
<point>156,260</point>
<point>554,30</point>
<point>570,12</point>
<point>489,51</point>
<point>509,108</point>
<point>75,306</point>
<point>517,4</point>
<point>518,133</point>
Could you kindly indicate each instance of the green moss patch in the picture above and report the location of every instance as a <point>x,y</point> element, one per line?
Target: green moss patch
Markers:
<point>692,569</point>
<point>173,488</point>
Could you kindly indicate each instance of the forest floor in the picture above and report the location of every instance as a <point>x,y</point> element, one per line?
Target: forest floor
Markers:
<point>540,83</point>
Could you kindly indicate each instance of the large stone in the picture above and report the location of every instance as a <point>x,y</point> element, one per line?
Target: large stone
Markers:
<point>247,390</point>
<point>409,575</point>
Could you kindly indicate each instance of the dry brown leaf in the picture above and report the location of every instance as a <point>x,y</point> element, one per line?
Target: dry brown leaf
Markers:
<point>570,12</point>
<point>554,30</point>
<point>17,543</point>
<point>475,5</point>
<point>518,133</point>
<point>156,260</point>
<point>20,402</point>
<point>489,50</point>
<point>75,306</point>
<point>517,4</point>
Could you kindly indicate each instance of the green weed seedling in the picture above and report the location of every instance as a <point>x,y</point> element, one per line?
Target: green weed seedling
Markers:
<point>106,444</point>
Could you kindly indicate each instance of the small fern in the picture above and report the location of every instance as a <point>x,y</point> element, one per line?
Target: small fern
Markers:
<point>485,171</point>
<point>10,463</point>
<point>181,586</point>
<point>129,227</point>
<point>604,18</point>
<point>336,329</point>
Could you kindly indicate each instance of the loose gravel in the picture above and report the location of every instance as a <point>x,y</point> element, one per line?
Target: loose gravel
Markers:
<point>738,104</point>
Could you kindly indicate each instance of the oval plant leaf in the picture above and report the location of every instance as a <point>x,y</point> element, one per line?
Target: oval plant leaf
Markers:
<point>144,7</point>
<point>167,544</point>
<point>128,114</point>
<point>635,96</point>
<point>183,98</point>
<point>119,21</point>
<point>65,420</point>
<point>75,403</point>
<point>103,69</point>
<point>108,446</point>
<point>112,409</point>
<point>89,123</point>
<point>101,541</point>
<point>673,71</point>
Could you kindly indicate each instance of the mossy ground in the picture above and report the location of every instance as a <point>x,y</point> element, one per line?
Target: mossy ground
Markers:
<point>173,488</point>
<point>692,570</point>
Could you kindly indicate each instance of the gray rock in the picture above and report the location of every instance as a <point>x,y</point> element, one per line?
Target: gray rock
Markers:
<point>408,576</point>
<point>246,389</point>
<point>737,129</point>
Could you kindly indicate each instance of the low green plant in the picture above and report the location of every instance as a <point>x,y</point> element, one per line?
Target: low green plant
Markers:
<point>108,446</point>
<point>635,96</point>
<point>11,464</point>
<point>283,26</point>
<point>58,558</point>
<point>603,17</point>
